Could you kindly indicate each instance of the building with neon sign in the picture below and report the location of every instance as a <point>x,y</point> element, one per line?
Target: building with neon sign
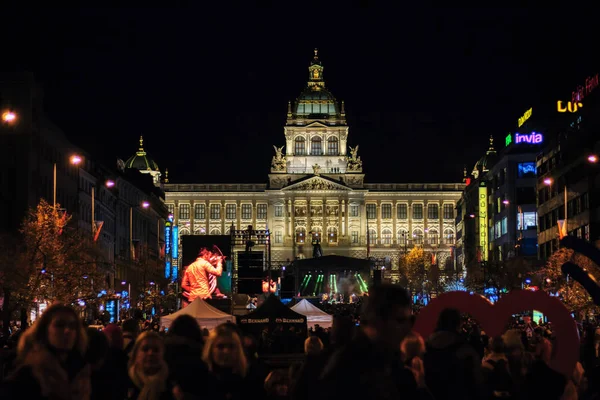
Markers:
<point>496,216</point>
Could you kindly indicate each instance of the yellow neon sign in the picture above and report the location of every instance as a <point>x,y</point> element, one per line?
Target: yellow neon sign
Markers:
<point>483,218</point>
<point>525,117</point>
<point>571,106</point>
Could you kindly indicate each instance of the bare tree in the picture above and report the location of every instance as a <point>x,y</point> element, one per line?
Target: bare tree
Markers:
<point>49,261</point>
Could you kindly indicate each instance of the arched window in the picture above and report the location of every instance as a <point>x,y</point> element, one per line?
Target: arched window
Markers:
<point>300,235</point>
<point>215,231</point>
<point>417,236</point>
<point>372,237</point>
<point>199,231</point>
<point>316,146</point>
<point>299,146</point>
<point>402,237</point>
<point>448,236</point>
<point>332,146</point>
<point>184,231</point>
<point>433,236</point>
<point>332,234</point>
<point>386,236</point>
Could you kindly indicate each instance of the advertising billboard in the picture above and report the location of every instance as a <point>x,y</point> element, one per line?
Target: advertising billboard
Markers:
<point>483,218</point>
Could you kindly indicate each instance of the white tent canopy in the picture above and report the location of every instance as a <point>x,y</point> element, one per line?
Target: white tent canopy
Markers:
<point>314,315</point>
<point>207,316</point>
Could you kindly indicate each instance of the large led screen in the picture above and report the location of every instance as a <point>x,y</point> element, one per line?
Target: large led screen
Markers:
<point>206,271</point>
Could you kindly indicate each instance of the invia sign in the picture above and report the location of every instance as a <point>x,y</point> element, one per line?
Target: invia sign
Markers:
<point>519,138</point>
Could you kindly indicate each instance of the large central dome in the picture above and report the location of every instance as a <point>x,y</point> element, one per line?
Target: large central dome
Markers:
<point>316,102</point>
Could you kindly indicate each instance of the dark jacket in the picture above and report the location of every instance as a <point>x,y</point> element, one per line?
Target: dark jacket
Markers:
<point>452,367</point>
<point>365,370</point>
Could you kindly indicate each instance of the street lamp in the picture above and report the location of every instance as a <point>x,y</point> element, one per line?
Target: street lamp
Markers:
<point>548,181</point>
<point>73,160</point>
<point>505,202</point>
<point>144,205</point>
<point>9,117</point>
<point>110,183</point>
<point>592,158</point>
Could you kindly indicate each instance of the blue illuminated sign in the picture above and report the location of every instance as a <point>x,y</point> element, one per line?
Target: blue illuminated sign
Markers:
<point>526,169</point>
<point>112,307</point>
<point>175,242</point>
<point>167,269</point>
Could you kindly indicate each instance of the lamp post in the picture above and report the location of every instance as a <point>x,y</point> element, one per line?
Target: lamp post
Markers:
<point>144,205</point>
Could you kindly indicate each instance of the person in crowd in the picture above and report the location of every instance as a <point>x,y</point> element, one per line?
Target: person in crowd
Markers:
<point>590,357</point>
<point>131,329</point>
<point>148,372</point>
<point>277,384</point>
<point>307,375</point>
<point>370,366</point>
<point>96,356</point>
<point>498,382</point>
<point>543,347</point>
<point>413,351</point>
<point>50,359</point>
<point>183,353</point>
<point>224,356</point>
<point>452,367</point>
<point>476,340</point>
<point>115,365</point>
<point>257,368</point>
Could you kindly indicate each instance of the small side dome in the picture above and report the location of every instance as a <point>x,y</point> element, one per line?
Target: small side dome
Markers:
<point>141,161</point>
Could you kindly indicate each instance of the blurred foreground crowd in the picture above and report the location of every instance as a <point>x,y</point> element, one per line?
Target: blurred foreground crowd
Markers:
<point>57,358</point>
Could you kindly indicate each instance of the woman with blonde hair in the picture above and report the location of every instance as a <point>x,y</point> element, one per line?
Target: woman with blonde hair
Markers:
<point>50,359</point>
<point>148,370</point>
<point>224,356</point>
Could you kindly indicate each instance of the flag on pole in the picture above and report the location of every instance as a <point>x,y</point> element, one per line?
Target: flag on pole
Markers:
<point>97,228</point>
<point>562,228</point>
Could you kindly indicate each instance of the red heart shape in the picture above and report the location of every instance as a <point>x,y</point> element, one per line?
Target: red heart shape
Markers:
<point>494,317</point>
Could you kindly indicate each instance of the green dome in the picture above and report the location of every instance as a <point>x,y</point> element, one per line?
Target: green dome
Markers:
<point>316,101</point>
<point>141,161</point>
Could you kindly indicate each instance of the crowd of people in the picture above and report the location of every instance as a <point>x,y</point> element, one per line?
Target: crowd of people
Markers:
<point>381,358</point>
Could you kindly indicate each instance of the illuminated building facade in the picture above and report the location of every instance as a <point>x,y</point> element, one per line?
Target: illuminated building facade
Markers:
<point>317,189</point>
<point>32,148</point>
<point>568,175</point>
<point>496,216</point>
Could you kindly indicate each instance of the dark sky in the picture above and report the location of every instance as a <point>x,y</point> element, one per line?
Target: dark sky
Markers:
<point>424,88</point>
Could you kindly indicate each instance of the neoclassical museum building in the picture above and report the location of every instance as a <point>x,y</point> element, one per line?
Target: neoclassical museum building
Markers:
<point>317,188</point>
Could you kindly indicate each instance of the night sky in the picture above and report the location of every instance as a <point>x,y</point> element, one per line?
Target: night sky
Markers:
<point>423,88</point>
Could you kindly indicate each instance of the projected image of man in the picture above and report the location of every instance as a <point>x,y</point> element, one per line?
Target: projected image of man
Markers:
<point>199,279</point>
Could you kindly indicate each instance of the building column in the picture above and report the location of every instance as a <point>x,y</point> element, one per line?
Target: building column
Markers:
<point>378,238</point>
<point>207,215</point>
<point>192,220</point>
<point>346,218</point>
<point>308,222</point>
<point>340,228</point>
<point>222,217</point>
<point>238,214</point>
<point>409,227</point>
<point>394,222</point>
<point>291,225</point>
<point>253,214</point>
